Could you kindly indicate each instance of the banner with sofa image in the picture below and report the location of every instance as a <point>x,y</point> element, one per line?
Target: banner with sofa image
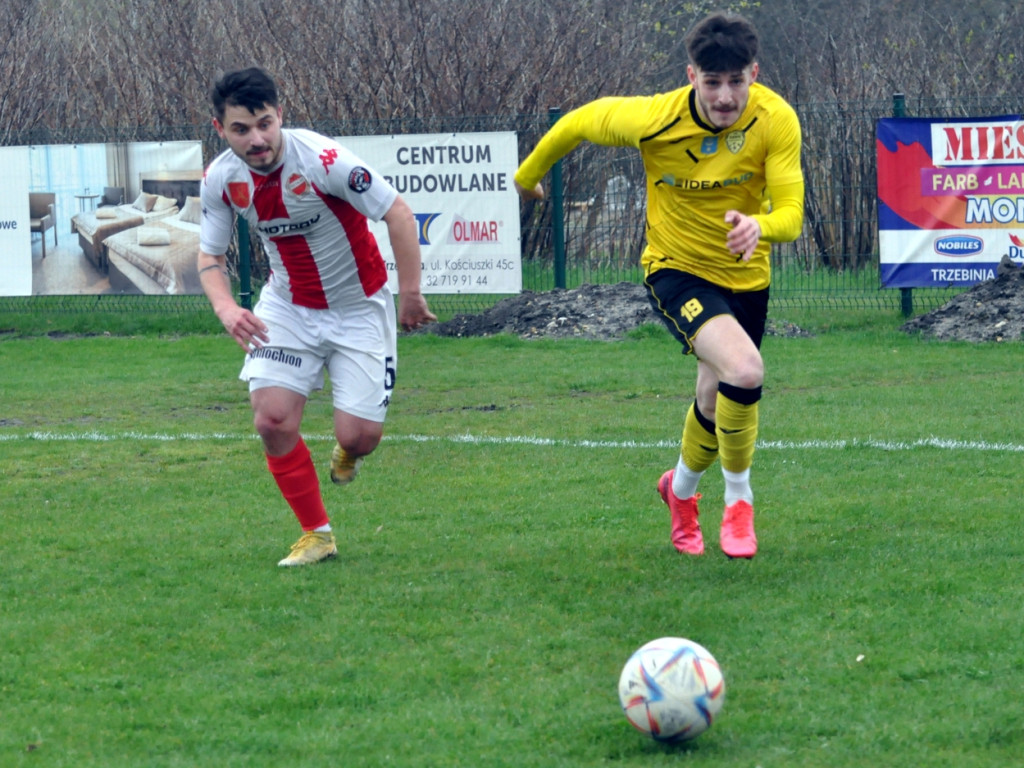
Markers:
<point>100,219</point>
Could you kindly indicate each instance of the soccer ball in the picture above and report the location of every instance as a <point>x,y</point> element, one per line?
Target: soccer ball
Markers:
<point>671,689</point>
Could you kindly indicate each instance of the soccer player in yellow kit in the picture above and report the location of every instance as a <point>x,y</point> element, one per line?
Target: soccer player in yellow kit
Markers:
<point>722,160</point>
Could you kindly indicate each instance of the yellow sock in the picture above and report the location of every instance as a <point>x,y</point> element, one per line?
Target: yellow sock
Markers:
<point>736,426</point>
<point>700,443</point>
<point>698,451</point>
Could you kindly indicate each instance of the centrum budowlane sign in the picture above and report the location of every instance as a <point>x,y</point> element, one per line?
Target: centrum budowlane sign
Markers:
<point>460,188</point>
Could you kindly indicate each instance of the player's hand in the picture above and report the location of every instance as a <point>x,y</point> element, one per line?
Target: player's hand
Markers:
<point>536,193</point>
<point>244,327</point>
<point>744,235</point>
<point>413,313</point>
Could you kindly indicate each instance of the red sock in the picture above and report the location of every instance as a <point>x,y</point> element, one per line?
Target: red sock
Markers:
<point>296,477</point>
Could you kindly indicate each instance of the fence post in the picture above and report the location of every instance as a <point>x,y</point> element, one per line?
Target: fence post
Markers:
<point>899,109</point>
<point>557,210</point>
<point>244,262</point>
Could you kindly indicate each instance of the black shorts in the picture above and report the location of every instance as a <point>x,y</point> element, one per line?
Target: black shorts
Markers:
<point>686,302</point>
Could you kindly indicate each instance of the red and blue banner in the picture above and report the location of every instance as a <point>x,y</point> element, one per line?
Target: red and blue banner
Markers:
<point>950,199</point>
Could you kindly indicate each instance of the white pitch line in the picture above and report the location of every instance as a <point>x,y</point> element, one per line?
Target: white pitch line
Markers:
<point>782,445</point>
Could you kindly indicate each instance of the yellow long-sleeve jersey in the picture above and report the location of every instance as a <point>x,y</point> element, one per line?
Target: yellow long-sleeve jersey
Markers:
<point>695,174</point>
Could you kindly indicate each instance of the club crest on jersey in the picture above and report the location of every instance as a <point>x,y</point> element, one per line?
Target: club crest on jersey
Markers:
<point>238,191</point>
<point>297,184</point>
<point>735,140</point>
<point>359,180</point>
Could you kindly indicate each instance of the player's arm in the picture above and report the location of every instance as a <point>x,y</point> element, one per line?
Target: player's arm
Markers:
<point>242,325</point>
<point>611,121</point>
<point>781,225</point>
<point>405,244</point>
<point>786,219</point>
<point>784,180</point>
<point>215,230</point>
<point>785,186</point>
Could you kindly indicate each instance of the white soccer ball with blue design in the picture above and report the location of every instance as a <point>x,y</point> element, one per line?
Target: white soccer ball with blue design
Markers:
<point>672,689</point>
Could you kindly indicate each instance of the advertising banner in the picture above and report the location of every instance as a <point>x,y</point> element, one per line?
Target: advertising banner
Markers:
<point>99,219</point>
<point>950,199</point>
<point>460,189</point>
<point>15,232</point>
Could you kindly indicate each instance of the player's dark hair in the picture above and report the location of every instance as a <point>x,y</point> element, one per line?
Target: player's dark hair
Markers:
<point>722,42</point>
<point>251,88</point>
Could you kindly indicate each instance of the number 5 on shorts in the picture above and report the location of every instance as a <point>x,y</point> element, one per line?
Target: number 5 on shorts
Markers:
<point>389,373</point>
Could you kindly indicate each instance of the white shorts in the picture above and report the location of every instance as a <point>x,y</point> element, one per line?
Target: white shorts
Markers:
<point>356,345</point>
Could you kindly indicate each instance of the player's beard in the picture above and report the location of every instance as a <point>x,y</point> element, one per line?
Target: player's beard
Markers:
<point>718,118</point>
<point>262,158</point>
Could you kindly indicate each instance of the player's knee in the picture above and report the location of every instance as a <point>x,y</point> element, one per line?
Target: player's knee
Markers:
<point>746,372</point>
<point>706,403</point>
<point>360,442</point>
<point>271,425</point>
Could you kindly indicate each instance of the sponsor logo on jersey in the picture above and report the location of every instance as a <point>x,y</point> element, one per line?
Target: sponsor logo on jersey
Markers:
<point>238,191</point>
<point>959,245</point>
<point>709,146</point>
<point>359,180</point>
<point>423,222</point>
<point>735,140</point>
<point>288,228</point>
<point>704,184</point>
<point>297,184</point>
<point>327,157</point>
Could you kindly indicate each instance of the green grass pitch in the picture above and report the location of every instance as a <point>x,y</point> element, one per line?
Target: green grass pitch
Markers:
<point>502,554</point>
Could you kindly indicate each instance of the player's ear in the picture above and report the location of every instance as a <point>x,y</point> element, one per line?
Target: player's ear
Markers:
<point>754,69</point>
<point>217,126</point>
<point>691,73</point>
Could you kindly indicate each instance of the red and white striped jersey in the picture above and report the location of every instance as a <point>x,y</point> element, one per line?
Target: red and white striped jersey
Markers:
<point>311,214</point>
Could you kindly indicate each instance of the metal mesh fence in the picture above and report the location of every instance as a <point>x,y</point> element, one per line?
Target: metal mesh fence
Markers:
<point>834,264</point>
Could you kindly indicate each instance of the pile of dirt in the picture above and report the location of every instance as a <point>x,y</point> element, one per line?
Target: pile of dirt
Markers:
<point>990,311</point>
<point>602,312</point>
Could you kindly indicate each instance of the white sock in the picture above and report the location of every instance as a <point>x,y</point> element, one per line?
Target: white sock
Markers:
<point>737,487</point>
<point>323,528</point>
<point>684,481</point>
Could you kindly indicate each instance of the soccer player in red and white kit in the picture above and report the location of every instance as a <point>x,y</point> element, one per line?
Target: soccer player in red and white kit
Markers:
<point>326,305</point>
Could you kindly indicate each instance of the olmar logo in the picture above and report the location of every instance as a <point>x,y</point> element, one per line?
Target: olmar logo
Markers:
<point>464,231</point>
<point>423,222</point>
<point>959,245</point>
